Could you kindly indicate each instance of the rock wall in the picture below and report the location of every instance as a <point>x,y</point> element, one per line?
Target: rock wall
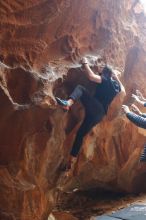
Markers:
<point>41,43</point>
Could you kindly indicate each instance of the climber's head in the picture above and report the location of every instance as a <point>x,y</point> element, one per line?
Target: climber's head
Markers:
<point>99,64</point>
<point>100,68</point>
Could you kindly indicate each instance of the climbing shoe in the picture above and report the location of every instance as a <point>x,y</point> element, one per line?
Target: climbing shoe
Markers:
<point>63,103</point>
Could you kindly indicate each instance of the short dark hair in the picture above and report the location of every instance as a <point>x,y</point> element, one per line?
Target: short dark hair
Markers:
<point>107,71</point>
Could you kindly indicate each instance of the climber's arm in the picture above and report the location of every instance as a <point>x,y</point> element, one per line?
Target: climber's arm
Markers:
<point>90,74</point>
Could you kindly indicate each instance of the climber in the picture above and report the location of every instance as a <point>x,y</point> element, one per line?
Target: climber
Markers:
<point>108,86</point>
<point>137,117</point>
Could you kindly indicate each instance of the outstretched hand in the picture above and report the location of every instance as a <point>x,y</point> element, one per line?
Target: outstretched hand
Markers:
<point>125,109</point>
<point>139,94</point>
<point>136,98</point>
<point>135,109</point>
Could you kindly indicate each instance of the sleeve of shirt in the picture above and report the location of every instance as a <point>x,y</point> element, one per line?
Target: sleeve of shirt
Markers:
<point>143,115</point>
<point>137,120</point>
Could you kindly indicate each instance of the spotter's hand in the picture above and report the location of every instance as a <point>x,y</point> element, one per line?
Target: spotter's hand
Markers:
<point>125,109</point>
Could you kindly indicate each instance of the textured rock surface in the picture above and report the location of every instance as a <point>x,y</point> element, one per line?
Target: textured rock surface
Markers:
<point>61,216</point>
<point>40,42</point>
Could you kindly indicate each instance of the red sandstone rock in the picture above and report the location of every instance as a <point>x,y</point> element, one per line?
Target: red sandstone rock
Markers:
<point>61,216</point>
<point>39,42</point>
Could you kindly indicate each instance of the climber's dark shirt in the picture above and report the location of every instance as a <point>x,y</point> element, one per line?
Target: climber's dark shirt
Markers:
<point>106,91</point>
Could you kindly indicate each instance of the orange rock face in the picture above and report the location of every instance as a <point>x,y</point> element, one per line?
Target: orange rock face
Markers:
<point>41,43</point>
